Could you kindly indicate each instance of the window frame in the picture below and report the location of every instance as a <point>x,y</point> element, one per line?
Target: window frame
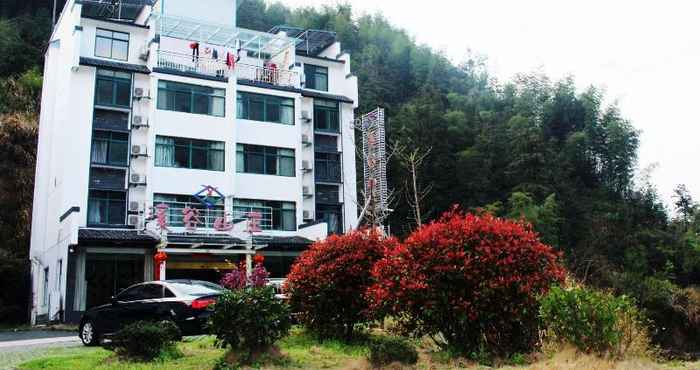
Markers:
<point>313,70</point>
<point>244,152</point>
<point>110,141</point>
<point>327,111</point>
<point>173,88</point>
<point>111,39</point>
<point>244,111</point>
<point>323,160</point>
<point>109,202</point>
<point>278,211</point>
<point>115,80</point>
<point>190,147</point>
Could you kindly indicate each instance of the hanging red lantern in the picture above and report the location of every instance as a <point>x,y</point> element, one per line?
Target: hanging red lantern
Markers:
<point>158,260</point>
<point>258,259</point>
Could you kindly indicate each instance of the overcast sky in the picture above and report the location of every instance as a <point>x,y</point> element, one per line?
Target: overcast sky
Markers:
<point>645,54</point>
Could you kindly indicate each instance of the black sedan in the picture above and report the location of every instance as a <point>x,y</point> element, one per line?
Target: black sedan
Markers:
<point>184,302</point>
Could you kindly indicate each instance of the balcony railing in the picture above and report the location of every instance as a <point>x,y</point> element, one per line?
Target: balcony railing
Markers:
<point>267,75</point>
<point>195,217</point>
<point>186,63</point>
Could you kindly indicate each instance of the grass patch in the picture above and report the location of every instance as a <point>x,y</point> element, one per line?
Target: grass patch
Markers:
<point>303,351</point>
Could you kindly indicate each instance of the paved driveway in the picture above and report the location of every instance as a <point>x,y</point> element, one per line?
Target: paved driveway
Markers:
<point>21,346</point>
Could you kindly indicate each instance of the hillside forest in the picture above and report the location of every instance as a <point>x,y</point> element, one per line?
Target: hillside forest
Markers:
<point>530,148</point>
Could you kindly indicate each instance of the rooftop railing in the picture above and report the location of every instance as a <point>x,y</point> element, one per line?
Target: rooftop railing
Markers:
<point>186,63</point>
<point>267,75</point>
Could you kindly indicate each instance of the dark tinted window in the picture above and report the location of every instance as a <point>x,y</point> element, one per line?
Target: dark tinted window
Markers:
<point>131,294</point>
<point>152,291</point>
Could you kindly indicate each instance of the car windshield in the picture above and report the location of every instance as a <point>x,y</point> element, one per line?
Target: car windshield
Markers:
<point>196,288</point>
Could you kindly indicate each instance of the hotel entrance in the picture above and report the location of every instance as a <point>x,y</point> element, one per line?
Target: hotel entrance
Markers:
<point>205,267</point>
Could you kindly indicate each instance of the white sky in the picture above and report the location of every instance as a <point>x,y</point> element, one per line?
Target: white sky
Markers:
<point>645,54</point>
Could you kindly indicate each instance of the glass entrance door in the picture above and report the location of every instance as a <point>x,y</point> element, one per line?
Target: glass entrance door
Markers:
<point>108,274</point>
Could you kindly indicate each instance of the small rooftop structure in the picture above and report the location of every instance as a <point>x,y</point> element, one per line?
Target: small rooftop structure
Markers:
<point>310,42</point>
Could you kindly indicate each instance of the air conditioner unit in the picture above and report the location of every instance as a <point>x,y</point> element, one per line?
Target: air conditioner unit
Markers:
<point>306,190</point>
<point>306,165</point>
<point>306,116</point>
<point>137,179</point>
<point>134,206</point>
<point>307,215</point>
<point>134,220</point>
<point>140,92</point>
<point>305,140</point>
<point>138,150</point>
<point>139,121</point>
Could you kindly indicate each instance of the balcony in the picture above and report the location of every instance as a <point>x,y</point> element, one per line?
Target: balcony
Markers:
<point>188,65</point>
<point>194,217</point>
<point>267,75</point>
<point>194,66</point>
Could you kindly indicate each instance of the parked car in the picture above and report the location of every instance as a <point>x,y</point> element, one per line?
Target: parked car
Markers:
<point>185,302</point>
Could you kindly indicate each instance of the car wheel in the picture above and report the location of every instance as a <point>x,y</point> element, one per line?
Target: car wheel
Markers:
<point>88,334</point>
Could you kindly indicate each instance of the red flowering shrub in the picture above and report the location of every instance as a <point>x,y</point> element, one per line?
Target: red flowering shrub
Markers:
<point>328,282</point>
<point>471,281</point>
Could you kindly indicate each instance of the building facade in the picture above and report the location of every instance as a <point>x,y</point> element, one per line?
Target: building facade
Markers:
<point>164,127</point>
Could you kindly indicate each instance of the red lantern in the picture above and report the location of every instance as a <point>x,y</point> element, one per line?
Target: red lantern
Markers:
<point>158,260</point>
<point>258,259</point>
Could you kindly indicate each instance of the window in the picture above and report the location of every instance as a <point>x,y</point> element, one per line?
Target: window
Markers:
<point>131,294</point>
<point>266,108</point>
<point>177,203</point>
<point>264,160</point>
<point>275,215</point>
<point>328,167</point>
<point>113,88</point>
<point>59,274</point>
<point>111,44</point>
<point>326,143</point>
<point>180,97</point>
<point>110,148</point>
<point>189,153</point>
<point>331,215</point>
<point>326,116</point>
<point>45,297</point>
<point>327,194</point>
<point>108,119</point>
<point>106,207</point>
<point>316,77</point>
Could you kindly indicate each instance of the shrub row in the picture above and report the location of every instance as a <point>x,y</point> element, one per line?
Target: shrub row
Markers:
<point>472,281</point>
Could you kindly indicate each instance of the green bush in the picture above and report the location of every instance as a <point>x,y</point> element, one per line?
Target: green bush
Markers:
<point>385,350</point>
<point>145,340</point>
<point>593,321</point>
<point>250,319</point>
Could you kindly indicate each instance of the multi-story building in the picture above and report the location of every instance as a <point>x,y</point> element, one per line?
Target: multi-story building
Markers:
<point>165,127</point>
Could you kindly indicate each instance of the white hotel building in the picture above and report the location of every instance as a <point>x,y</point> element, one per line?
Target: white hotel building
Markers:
<point>164,126</point>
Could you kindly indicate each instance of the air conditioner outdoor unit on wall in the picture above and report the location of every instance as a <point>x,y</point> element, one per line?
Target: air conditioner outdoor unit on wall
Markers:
<point>306,190</point>
<point>306,165</point>
<point>139,121</point>
<point>138,150</point>
<point>307,215</point>
<point>305,139</point>
<point>134,220</point>
<point>306,116</point>
<point>134,206</point>
<point>137,179</point>
<point>140,92</point>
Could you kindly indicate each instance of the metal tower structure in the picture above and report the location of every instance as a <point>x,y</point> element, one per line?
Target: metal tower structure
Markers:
<point>375,166</point>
